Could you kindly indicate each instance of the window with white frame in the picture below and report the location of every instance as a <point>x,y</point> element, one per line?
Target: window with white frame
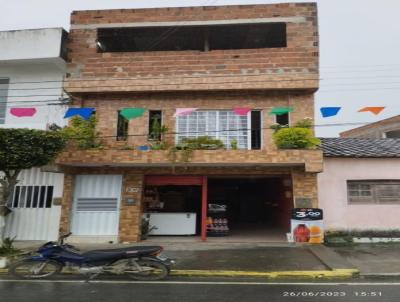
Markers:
<point>32,197</point>
<point>373,191</point>
<point>221,124</point>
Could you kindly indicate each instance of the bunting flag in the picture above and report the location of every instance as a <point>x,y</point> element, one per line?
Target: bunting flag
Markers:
<point>23,112</point>
<point>280,110</point>
<point>329,111</point>
<point>131,113</point>
<point>374,110</point>
<point>241,111</point>
<point>83,112</point>
<point>184,111</point>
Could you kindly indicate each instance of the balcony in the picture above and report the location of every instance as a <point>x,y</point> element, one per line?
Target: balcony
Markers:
<point>311,160</point>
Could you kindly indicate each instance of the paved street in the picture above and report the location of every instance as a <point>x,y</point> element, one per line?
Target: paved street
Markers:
<point>192,290</point>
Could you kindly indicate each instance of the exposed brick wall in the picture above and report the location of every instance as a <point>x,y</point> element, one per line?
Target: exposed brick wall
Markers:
<point>374,130</point>
<point>130,215</point>
<point>295,66</point>
<point>108,105</point>
<point>66,203</point>
<point>303,186</point>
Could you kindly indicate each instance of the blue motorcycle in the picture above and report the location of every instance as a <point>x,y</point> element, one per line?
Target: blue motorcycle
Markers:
<point>143,263</point>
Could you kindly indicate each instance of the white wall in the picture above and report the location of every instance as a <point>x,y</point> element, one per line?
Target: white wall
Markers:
<point>30,44</point>
<point>332,193</point>
<point>19,93</point>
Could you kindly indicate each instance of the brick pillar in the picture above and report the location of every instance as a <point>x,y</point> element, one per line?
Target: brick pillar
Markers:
<point>130,215</point>
<point>66,203</point>
<point>305,188</point>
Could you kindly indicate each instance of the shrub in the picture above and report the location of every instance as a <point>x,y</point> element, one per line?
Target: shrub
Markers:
<point>295,138</point>
<point>83,132</point>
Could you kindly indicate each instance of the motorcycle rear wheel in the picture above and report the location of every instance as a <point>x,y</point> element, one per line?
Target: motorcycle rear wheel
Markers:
<point>32,269</point>
<point>154,270</point>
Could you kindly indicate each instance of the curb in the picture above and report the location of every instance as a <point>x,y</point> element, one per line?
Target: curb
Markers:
<point>339,273</point>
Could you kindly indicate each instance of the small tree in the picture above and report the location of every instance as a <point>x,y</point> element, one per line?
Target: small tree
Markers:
<point>24,149</point>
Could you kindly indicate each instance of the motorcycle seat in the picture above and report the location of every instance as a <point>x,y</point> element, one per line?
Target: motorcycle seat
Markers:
<point>120,252</point>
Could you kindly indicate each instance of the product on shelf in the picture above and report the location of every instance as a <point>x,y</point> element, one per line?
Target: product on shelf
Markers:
<point>217,223</point>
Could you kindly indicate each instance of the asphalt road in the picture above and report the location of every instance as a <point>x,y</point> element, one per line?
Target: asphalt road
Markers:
<point>195,291</point>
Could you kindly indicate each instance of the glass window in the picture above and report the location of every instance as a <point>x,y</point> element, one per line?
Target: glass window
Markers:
<point>122,127</point>
<point>222,124</point>
<point>32,197</point>
<point>3,99</point>
<point>373,191</point>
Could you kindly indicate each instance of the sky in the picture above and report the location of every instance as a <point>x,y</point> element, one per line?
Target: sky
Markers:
<point>359,48</point>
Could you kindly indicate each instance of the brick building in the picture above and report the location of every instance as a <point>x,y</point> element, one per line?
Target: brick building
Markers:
<point>210,58</point>
<point>387,128</point>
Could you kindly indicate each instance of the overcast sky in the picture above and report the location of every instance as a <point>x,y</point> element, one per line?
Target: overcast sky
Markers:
<point>360,48</point>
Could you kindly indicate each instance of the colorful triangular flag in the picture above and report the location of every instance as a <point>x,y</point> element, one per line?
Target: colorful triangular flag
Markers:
<point>329,111</point>
<point>131,113</point>
<point>83,112</point>
<point>184,111</point>
<point>374,110</point>
<point>23,112</point>
<point>280,110</point>
<point>241,110</point>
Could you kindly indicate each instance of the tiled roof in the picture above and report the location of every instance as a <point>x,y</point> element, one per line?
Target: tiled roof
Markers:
<point>360,147</point>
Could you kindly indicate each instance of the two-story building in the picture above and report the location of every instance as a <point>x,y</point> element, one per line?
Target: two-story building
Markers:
<point>214,61</point>
<point>32,69</point>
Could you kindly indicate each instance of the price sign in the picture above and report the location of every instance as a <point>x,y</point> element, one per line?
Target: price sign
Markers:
<point>307,214</point>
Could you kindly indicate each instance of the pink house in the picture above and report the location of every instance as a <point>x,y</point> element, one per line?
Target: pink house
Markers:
<point>359,188</point>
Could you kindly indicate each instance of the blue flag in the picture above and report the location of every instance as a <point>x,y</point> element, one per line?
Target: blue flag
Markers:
<point>83,112</point>
<point>329,111</point>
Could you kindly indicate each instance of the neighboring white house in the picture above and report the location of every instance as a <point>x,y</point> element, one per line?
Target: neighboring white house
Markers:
<point>32,68</point>
<point>359,188</point>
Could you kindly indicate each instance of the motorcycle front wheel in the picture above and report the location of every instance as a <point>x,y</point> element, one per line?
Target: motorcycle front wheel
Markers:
<point>152,271</point>
<point>34,269</point>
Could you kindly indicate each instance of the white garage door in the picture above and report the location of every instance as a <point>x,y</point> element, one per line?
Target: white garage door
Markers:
<point>96,205</point>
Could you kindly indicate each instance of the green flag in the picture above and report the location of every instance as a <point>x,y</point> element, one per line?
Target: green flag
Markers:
<point>131,113</point>
<point>280,110</point>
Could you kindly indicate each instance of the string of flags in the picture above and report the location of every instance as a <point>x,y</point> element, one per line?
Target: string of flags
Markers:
<point>132,113</point>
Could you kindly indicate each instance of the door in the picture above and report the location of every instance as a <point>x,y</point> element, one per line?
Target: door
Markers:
<point>96,205</point>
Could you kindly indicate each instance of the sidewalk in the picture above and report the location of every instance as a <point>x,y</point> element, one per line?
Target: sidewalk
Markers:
<point>273,260</point>
<point>373,260</point>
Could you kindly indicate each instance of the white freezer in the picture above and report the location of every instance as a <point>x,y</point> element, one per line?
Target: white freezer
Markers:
<point>172,223</point>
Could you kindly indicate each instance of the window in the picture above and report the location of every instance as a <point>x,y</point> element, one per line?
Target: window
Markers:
<point>3,99</point>
<point>222,124</point>
<point>32,197</point>
<point>373,191</point>
<point>392,134</point>
<point>200,38</point>
<point>256,130</point>
<point>122,127</point>
<point>155,123</point>
<point>283,119</point>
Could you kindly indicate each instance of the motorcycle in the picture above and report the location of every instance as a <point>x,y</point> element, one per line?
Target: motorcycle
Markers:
<point>144,263</point>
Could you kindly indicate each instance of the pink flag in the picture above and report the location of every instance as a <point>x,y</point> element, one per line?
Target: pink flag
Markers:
<point>23,112</point>
<point>241,111</point>
<point>184,111</point>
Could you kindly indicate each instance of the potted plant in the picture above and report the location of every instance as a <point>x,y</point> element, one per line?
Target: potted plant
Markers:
<point>7,252</point>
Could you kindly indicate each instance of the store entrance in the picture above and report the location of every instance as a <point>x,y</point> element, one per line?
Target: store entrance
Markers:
<point>255,206</point>
<point>173,209</point>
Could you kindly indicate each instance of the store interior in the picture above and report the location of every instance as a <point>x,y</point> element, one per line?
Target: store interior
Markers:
<point>237,206</point>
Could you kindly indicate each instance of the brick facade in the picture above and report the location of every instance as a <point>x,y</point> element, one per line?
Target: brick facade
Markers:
<point>165,80</point>
<point>292,67</point>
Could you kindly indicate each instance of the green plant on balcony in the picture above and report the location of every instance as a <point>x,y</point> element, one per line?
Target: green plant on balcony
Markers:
<point>188,145</point>
<point>300,136</point>
<point>83,132</point>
